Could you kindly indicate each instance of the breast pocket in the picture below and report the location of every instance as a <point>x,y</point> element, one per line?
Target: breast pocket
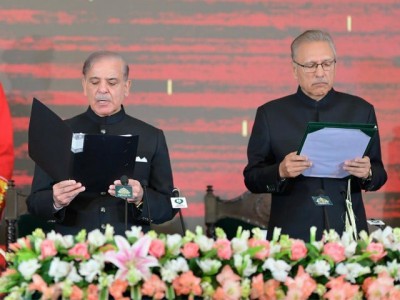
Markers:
<point>142,168</point>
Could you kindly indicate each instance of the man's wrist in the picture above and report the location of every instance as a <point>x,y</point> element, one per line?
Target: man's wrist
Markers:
<point>281,178</point>
<point>369,177</point>
<point>139,204</point>
<point>56,207</point>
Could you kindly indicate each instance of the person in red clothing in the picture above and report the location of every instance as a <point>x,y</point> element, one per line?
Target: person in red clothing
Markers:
<point>6,148</point>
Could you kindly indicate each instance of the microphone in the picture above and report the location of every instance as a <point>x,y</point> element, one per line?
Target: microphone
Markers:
<point>176,194</point>
<point>124,180</point>
<point>124,191</point>
<point>321,199</point>
<point>144,185</point>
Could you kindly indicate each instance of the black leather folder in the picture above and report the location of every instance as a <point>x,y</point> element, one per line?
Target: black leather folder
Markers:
<point>101,160</point>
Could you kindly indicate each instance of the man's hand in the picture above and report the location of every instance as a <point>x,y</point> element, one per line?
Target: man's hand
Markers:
<point>137,190</point>
<point>293,165</point>
<point>359,167</point>
<point>65,191</point>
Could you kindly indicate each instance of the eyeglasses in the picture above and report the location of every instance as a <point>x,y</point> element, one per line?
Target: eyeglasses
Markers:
<point>326,65</point>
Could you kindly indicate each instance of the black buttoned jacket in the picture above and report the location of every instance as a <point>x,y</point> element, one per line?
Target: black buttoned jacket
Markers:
<point>278,130</point>
<point>90,210</point>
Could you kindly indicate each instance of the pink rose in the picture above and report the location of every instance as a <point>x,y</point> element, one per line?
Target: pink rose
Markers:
<point>48,248</point>
<point>377,251</point>
<point>264,252</point>
<point>79,251</point>
<point>298,250</point>
<point>224,250</point>
<point>190,250</point>
<point>157,248</point>
<point>334,251</point>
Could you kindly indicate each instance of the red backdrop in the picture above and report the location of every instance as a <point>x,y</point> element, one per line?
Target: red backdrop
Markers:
<point>222,59</point>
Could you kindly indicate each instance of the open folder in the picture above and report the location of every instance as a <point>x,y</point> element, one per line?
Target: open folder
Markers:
<point>95,160</point>
<point>329,145</point>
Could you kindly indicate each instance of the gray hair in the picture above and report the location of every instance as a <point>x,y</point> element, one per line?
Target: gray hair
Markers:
<point>96,56</point>
<point>312,36</point>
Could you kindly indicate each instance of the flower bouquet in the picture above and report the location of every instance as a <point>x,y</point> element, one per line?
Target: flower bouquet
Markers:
<point>98,265</point>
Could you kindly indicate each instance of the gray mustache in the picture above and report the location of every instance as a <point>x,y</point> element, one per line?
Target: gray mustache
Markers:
<point>102,97</point>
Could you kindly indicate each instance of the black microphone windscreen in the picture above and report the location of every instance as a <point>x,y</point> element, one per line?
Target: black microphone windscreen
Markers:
<point>175,192</point>
<point>124,180</point>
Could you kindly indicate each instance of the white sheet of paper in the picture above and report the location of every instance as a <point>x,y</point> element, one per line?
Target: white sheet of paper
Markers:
<point>329,148</point>
<point>78,140</point>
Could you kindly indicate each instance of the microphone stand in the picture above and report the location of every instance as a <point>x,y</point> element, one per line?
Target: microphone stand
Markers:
<point>146,199</point>
<point>176,193</point>
<point>124,182</point>
<point>126,214</point>
<point>321,192</point>
<point>182,224</point>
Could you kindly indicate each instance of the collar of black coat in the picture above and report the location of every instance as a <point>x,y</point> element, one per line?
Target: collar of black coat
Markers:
<point>311,102</point>
<point>108,120</point>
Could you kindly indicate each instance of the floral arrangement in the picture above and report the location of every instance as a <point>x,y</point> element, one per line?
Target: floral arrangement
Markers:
<point>157,266</point>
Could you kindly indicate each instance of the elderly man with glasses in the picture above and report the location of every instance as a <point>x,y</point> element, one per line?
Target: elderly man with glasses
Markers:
<point>274,165</point>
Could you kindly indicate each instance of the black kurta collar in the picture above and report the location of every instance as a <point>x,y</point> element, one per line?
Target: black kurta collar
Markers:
<point>108,120</point>
<point>311,102</point>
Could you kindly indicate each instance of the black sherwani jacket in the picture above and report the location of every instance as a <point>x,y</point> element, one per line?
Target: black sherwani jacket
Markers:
<point>278,129</point>
<point>91,210</point>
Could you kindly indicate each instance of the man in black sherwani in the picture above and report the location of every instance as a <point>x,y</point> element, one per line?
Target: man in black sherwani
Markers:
<point>106,84</point>
<point>274,166</point>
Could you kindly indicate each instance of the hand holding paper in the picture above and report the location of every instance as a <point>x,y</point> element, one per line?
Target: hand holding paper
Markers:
<point>329,145</point>
<point>359,167</point>
<point>65,191</point>
<point>293,165</point>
